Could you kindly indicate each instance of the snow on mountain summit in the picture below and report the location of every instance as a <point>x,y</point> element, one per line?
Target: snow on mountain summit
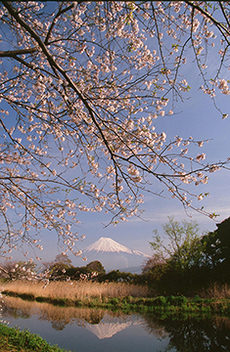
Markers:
<point>114,256</point>
<point>105,244</point>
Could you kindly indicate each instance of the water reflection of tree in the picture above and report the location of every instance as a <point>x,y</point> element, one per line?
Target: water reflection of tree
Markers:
<point>154,326</point>
<point>62,316</point>
<point>204,335</point>
<point>192,334</point>
<point>58,316</point>
<point>16,313</point>
<point>185,335</point>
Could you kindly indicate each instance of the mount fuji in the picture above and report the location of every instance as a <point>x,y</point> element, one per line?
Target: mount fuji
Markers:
<point>114,255</point>
<point>110,326</point>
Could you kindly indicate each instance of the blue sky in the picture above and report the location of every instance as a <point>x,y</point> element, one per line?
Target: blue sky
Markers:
<point>196,117</point>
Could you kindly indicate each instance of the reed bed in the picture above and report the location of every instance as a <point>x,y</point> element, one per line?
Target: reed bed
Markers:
<point>76,290</point>
<point>216,291</point>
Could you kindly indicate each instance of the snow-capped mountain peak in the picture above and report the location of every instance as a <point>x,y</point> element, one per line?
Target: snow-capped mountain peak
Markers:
<point>105,244</point>
<point>114,255</point>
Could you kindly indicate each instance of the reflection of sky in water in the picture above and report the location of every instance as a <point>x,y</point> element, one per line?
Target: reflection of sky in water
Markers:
<point>107,333</point>
<point>132,337</point>
<point>97,330</point>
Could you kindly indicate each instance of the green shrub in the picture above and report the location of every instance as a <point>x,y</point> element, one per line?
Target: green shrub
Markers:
<point>177,300</point>
<point>114,301</point>
<point>78,303</point>
<point>13,338</point>
<point>160,301</point>
<point>197,299</point>
<point>27,296</point>
<point>42,299</point>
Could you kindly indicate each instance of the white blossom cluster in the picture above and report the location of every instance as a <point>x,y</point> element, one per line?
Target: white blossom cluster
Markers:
<point>81,86</point>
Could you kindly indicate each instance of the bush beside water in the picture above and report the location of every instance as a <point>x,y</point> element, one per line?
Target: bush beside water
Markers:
<point>13,340</point>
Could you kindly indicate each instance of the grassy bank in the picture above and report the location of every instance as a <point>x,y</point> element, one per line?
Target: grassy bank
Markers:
<point>114,296</point>
<point>13,340</point>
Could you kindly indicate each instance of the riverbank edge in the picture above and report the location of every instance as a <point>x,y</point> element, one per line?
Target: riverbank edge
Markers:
<point>173,305</point>
<point>13,340</point>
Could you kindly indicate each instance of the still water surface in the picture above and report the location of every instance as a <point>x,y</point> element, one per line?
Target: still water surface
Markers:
<point>94,330</point>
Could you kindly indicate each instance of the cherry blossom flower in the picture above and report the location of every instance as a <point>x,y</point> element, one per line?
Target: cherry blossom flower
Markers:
<point>84,83</point>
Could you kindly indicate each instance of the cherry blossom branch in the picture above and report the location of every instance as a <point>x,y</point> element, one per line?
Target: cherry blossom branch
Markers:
<point>61,11</point>
<point>15,53</point>
<point>86,90</point>
<point>225,16</point>
<point>222,28</point>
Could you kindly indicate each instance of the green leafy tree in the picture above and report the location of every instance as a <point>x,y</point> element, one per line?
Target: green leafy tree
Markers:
<point>182,247</point>
<point>89,270</point>
<point>96,266</point>
<point>177,263</point>
<point>154,270</point>
<point>59,267</point>
<point>118,276</point>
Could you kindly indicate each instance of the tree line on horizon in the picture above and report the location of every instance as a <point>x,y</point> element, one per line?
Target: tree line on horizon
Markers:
<point>186,262</point>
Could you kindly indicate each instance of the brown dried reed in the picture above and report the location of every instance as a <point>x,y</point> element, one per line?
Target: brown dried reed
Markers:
<point>216,291</point>
<point>77,290</point>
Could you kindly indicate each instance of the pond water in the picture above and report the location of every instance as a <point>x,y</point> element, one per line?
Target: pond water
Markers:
<point>92,330</point>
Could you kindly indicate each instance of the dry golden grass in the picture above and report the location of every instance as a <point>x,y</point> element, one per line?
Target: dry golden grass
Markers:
<point>216,291</point>
<point>77,290</point>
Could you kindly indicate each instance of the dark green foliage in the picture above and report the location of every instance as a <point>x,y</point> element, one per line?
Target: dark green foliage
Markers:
<point>72,272</point>
<point>58,268</point>
<point>160,301</point>
<point>27,296</point>
<point>62,268</point>
<point>217,252</point>
<point>24,340</point>
<point>197,299</point>
<point>189,263</point>
<point>114,301</point>
<point>115,276</point>
<point>177,300</point>
<point>120,276</point>
<point>42,299</point>
<point>96,266</point>
<point>192,334</point>
<point>60,302</point>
